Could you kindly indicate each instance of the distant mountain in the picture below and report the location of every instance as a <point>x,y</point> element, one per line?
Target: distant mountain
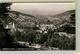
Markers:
<point>62,17</point>
<point>55,19</point>
<point>28,20</point>
<point>23,20</point>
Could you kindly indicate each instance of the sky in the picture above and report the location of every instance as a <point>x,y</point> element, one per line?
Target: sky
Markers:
<point>42,8</point>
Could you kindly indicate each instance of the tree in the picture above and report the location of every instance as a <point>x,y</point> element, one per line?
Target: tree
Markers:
<point>4,8</point>
<point>5,38</point>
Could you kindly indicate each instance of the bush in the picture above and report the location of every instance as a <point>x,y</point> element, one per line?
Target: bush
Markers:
<point>52,39</point>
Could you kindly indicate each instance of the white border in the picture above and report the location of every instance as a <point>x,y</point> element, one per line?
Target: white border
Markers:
<point>51,52</point>
<point>37,1</point>
<point>78,25</point>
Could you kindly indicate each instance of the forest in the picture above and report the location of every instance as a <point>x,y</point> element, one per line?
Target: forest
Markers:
<point>60,36</point>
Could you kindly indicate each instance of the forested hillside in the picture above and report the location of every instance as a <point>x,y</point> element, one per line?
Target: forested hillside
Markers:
<point>45,30</point>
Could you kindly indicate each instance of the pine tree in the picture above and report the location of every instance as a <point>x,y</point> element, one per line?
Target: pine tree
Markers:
<point>5,38</point>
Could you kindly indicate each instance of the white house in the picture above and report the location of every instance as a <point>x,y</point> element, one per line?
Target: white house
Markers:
<point>11,26</point>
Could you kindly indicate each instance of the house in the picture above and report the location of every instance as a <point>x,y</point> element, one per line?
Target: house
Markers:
<point>11,26</point>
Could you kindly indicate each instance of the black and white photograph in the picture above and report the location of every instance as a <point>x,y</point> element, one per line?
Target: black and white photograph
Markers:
<point>37,26</point>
